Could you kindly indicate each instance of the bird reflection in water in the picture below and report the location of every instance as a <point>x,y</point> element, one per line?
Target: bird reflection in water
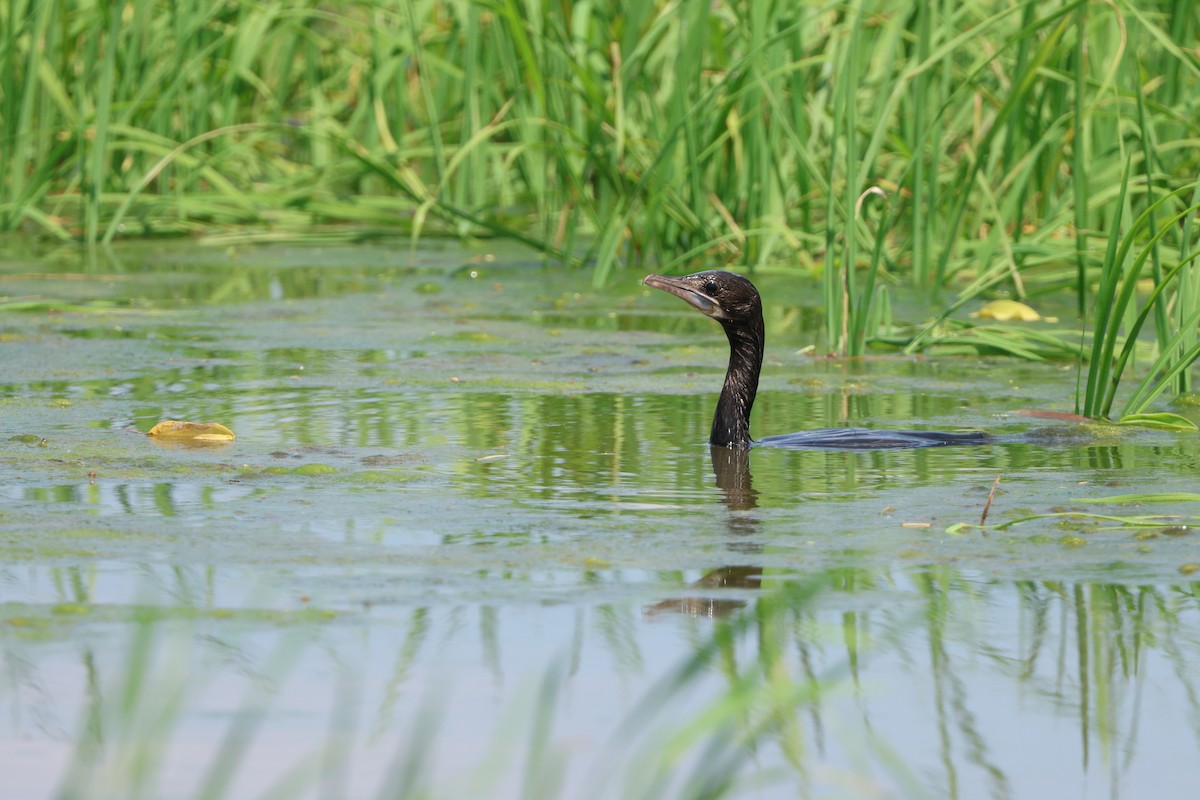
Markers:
<point>734,302</point>
<point>732,470</point>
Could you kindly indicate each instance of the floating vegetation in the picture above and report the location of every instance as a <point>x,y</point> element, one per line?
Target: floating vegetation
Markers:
<point>198,432</point>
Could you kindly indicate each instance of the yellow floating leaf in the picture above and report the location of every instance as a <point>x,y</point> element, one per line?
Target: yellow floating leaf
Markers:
<point>1008,311</point>
<point>192,431</point>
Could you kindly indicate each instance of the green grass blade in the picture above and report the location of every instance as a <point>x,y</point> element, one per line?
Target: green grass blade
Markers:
<point>1106,319</point>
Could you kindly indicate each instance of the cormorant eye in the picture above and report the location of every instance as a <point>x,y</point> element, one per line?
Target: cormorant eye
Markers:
<point>710,288</point>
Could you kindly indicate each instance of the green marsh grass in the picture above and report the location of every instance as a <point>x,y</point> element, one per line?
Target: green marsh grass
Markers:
<point>974,147</point>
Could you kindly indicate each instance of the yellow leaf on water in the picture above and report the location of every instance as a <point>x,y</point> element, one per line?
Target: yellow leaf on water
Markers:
<point>192,431</point>
<point>1008,311</point>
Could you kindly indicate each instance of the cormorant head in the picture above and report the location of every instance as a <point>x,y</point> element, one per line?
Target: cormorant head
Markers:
<point>728,298</point>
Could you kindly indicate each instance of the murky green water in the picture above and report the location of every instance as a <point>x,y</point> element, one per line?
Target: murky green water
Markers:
<point>469,494</point>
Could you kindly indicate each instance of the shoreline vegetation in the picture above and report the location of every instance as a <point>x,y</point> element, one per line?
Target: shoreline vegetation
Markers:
<point>996,149</point>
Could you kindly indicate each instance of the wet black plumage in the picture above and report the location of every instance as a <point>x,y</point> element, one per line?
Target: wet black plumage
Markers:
<point>733,301</point>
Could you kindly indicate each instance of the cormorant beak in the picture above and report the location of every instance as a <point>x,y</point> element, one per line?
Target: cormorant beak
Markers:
<point>688,293</point>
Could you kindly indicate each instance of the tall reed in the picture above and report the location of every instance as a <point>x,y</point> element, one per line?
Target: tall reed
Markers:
<point>672,133</point>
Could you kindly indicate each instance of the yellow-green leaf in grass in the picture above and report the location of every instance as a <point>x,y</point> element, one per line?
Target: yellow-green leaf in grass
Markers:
<point>1164,421</point>
<point>192,431</point>
<point>1008,311</point>
<point>1148,497</point>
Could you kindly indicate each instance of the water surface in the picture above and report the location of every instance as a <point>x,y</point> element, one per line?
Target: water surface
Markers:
<point>471,495</point>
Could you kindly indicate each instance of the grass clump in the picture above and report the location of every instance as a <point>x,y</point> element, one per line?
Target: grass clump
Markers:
<point>984,146</point>
<point>975,133</point>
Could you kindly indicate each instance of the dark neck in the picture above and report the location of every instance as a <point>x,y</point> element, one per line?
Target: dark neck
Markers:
<point>731,425</point>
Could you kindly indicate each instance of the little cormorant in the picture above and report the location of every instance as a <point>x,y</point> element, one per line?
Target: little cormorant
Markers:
<point>733,301</point>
